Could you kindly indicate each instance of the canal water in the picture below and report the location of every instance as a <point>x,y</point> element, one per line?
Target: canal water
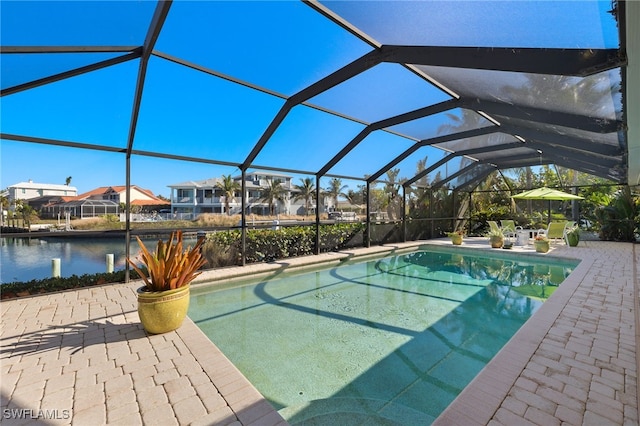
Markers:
<point>25,259</point>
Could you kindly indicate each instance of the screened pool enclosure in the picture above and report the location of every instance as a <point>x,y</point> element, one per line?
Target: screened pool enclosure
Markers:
<point>413,99</point>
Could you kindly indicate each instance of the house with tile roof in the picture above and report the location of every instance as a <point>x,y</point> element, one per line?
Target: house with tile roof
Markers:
<point>140,197</point>
<point>101,201</point>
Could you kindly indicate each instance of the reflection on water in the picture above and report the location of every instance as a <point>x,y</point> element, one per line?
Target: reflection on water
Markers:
<point>25,259</point>
<point>538,280</point>
<point>381,342</point>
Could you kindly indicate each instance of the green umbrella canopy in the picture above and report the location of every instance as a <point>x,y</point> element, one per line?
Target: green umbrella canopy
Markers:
<point>546,194</point>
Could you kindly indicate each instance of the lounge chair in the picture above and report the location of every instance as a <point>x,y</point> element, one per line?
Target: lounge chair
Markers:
<point>509,228</point>
<point>493,226</point>
<point>555,230</point>
<point>508,232</point>
<point>508,225</point>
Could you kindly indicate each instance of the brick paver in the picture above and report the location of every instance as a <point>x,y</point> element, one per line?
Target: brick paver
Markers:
<point>81,357</point>
<point>582,369</point>
<point>102,368</point>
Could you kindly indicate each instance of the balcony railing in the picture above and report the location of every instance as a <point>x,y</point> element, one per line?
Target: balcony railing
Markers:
<point>182,200</point>
<point>210,200</point>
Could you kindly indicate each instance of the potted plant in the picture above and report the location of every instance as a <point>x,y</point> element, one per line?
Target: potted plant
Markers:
<point>572,236</point>
<point>496,238</point>
<point>541,243</point>
<point>164,299</point>
<point>456,237</point>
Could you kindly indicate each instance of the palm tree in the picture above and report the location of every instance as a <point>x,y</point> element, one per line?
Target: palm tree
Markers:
<point>420,195</point>
<point>229,187</point>
<point>392,188</point>
<point>307,192</point>
<point>335,189</point>
<point>4,201</point>
<point>356,197</point>
<point>273,193</point>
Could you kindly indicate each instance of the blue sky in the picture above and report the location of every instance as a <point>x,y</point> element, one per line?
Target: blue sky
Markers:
<point>280,46</point>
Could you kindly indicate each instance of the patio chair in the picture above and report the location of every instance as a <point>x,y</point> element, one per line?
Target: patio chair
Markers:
<point>509,228</point>
<point>555,230</point>
<point>508,233</point>
<point>493,226</point>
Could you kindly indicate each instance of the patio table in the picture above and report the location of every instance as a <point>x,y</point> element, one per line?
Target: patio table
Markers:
<point>523,236</point>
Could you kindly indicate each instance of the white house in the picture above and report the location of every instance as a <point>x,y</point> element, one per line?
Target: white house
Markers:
<point>197,197</point>
<point>30,189</point>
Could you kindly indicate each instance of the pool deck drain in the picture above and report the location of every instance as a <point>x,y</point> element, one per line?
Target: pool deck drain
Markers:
<point>81,357</point>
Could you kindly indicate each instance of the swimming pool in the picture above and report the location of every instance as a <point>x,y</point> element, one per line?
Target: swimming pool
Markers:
<point>384,341</point>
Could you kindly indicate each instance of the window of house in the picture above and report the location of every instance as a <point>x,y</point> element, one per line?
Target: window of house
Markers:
<point>185,193</point>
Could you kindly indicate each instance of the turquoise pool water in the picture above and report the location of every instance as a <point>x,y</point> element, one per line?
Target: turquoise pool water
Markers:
<point>386,341</point>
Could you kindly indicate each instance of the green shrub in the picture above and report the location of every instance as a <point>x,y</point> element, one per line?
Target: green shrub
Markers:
<point>111,218</point>
<point>62,283</point>
<point>619,221</point>
<point>220,253</point>
<point>223,248</point>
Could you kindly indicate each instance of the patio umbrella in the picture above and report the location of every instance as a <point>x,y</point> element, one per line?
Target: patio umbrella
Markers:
<point>545,193</point>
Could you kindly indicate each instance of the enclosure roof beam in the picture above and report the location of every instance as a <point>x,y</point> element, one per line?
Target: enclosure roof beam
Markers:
<point>466,134</point>
<point>460,172</point>
<point>607,173</point>
<point>429,169</point>
<point>388,122</point>
<point>159,16</point>
<point>134,54</point>
<point>569,162</point>
<point>572,154</point>
<point>57,142</point>
<point>467,152</point>
<point>569,62</point>
<point>350,70</point>
<point>583,145</point>
<point>66,49</point>
<point>432,141</point>
<point>476,180</point>
<point>114,149</point>
<point>612,159</point>
<point>490,148</point>
<point>539,115</point>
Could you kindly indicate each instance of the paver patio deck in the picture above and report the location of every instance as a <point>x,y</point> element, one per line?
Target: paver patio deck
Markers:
<point>82,358</point>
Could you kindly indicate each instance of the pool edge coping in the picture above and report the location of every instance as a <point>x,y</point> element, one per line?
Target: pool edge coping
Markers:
<point>482,398</point>
<point>523,343</point>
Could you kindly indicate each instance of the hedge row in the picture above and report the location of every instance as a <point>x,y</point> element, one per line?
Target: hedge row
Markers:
<point>26,288</point>
<point>264,245</point>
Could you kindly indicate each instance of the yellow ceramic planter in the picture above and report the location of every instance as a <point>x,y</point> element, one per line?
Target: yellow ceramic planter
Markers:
<point>541,246</point>
<point>496,242</point>
<point>162,311</point>
<point>456,239</point>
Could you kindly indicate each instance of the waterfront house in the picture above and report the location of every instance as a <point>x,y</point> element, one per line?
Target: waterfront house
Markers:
<point>31,190</point>
<point>102,201</point>
<point>141,199</point>
<point>191,198</point>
